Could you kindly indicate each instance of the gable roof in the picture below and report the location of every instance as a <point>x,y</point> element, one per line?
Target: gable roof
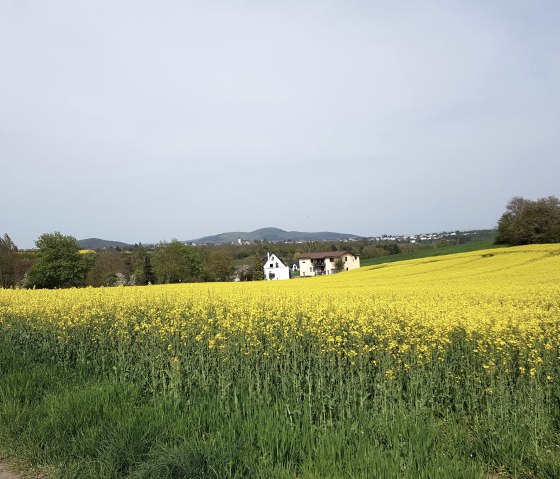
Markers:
<point>324,254</point>
<point>267,257</point>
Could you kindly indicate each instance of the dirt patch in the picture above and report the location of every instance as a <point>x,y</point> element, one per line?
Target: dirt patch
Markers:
<point>6,473</point>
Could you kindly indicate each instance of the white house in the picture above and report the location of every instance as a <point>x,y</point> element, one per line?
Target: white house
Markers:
<point>274,268</point>
<point>317,264</point>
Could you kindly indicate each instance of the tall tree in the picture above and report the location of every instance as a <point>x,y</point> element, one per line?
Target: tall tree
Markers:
<point>257,262</point>
<point>176,262</point>
<point>142,267</point>
<point>8,252</point>
<point>219,266</point>
<point>59,263</point>
<point>109,267</point>
<point>527,222</point>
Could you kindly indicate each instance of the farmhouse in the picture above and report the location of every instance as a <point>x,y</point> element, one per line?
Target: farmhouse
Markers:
<point>317,264</point>
<point>274,268</point>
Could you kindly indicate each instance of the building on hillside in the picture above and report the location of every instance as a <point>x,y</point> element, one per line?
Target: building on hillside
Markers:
<point>294,266</point>
<point>274,268</point>
<point>318,264</point>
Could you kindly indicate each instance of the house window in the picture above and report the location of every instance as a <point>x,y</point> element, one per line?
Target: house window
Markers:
<point>270,265</point>
<point>277,265</point>
<point>331,260</point>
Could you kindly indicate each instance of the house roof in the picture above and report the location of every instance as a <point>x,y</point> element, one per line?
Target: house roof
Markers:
<point>324,254</point>
<point>266,258</point>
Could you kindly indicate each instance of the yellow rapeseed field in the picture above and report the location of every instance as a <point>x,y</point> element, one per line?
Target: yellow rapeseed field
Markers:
<point>506,302</point>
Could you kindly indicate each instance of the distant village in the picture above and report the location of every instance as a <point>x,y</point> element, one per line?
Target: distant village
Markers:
<point>402,239</point>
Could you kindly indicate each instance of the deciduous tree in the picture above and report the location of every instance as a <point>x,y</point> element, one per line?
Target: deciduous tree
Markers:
<point>176,262</point>
<point>527,222</point>
<point>142,266</point>
<point>109,267</point>
<point>8,252</point>
<point>219,266</point>
<point>59,263</point>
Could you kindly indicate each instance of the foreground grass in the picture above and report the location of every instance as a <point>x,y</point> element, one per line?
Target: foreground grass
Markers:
<point>93,427</point>
<point>429,252</point>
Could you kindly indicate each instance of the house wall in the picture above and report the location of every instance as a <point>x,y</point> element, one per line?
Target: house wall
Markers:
<point>305,268</point>
<point>350,262</point>
<point>274,269</point>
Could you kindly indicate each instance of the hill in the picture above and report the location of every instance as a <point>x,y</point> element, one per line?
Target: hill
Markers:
<point>97,243</point>
<point>274,235</point>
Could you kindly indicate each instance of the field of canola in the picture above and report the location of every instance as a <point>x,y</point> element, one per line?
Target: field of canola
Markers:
<point>437,367</point>
<point>507,302</point>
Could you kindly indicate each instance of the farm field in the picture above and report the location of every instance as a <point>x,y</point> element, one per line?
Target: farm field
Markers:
<point>436,251</point>
<point>446,366</point>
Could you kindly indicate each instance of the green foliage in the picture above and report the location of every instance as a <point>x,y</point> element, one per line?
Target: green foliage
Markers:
<point>8,259</point>
<point>256,261</point>
<point>219,266</point>
<point>529,222</point>
<point>176,262</point>
<point>59,263</point>
<point>392,248</point>
<point>143,272</point>
<point>24,261</point>
<point>339,265</point>
<point>108,268</point>
<point>373,251</point>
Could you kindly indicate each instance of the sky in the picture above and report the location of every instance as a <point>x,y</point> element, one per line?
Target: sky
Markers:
<point>142,121</point>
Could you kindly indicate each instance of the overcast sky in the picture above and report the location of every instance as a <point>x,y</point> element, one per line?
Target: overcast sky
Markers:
<point>143,121</point>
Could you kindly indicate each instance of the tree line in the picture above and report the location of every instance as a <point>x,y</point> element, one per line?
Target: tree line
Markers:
<point>58,262</point>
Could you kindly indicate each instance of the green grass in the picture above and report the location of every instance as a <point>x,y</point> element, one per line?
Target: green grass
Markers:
<point>307,417</point>
<point>428,252</point>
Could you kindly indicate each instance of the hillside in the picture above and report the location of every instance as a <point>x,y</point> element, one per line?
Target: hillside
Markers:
<point>429,252</point>
<point>390,360</point>
<point>274,235</point>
